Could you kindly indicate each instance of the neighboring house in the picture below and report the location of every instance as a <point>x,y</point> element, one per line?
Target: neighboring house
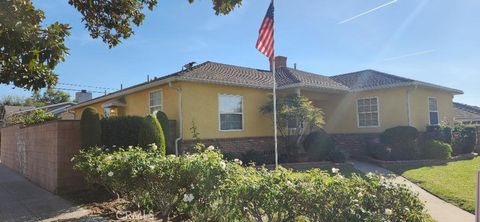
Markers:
<point>60,110</point>
<point>6,111</point>
<point>223,102</point>
<point>466,114</point>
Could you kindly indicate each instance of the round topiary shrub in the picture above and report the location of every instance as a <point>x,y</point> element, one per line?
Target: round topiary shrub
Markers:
<point>151,133</point>
<point>121,131</point>
<point>402,140</point>
<point>318,145</point>
<point>90,129</point>
<point>434,149</point>
<point>169,141</point>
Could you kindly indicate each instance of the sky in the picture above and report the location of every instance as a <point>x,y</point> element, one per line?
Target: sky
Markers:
<point>427,40</point>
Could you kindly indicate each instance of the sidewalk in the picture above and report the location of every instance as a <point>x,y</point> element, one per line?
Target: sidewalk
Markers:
<point>440,210</point>
<point>20,200</point>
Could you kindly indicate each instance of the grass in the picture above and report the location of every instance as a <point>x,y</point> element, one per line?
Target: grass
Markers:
<point>453,182</point>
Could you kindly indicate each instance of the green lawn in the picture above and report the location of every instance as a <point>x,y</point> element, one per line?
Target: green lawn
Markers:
<point>453,182</point>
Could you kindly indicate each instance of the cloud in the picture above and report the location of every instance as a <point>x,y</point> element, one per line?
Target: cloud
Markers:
<point>410,55</point>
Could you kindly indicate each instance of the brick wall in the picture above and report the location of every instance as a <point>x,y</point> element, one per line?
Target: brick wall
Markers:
<point>237,145</point>
<point>42,153</point>
<point>354,144</point>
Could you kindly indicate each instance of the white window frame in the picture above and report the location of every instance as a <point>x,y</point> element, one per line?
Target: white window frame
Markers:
<point>220,118</point>
<point>149,100</point>
<point>358,113</point>
<point>430,111</point>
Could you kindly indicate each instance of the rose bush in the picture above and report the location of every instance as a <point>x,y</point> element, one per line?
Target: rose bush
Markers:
<point>204,187</point>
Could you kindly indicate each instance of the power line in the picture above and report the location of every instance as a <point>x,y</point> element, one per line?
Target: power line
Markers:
<point>86,86</point>
<point>78,90</point>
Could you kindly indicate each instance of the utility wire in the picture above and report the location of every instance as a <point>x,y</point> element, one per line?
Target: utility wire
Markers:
<point>78,90</point>
<point>86,86</point>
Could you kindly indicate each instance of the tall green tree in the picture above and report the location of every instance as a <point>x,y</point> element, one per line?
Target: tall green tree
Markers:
<point>30,51</point>
<point>50,96</point>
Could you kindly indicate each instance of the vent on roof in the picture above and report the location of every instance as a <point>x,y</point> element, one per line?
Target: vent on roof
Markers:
<point>189,66</point>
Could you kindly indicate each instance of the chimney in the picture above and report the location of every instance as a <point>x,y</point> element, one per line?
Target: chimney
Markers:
<point>83,96</point>
<point>280,61</point>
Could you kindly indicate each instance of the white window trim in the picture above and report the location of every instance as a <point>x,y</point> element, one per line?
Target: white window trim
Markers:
<point>219,114</point>
<point>358,113</point>
<point>161,100</point>
<point>429,111</point>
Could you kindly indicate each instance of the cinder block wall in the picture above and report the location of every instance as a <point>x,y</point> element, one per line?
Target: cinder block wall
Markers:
<point>42,153</point>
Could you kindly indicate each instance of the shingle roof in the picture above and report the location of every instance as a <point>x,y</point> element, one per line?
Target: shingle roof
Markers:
<point>369,79</point>
<point>223,73</point>
<point>465,112</point>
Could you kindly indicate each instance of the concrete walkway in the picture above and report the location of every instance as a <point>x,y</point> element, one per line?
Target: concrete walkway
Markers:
<point>21,200</point>
<point>440,210</point>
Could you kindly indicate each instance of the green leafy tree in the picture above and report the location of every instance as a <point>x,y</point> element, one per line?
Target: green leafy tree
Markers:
<point>50,96</point>
<point>30,51</point>
<point>295,114</point>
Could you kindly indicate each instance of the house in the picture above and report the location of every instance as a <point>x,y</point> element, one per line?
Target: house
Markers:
<point>222,102</point>
<point>7,111</point>
<point>466,114</point>
<point>60,110</point>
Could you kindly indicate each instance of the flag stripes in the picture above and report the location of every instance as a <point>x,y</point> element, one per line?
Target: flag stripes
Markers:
<point>265,42</point>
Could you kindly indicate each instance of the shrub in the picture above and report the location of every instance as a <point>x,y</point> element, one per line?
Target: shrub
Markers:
<point>37,116</point>
<point>464,139</point>
<point>204,187</point>
<point>169,140</point>
<point>441,133</point>
<point>318,145</point>
<point>379,151</point>
<point>91,132</point>
<point>337,156</point>
<point>121,131</point>
<point>151,133</point>
<point>402,140</point>
<point>434,149</point>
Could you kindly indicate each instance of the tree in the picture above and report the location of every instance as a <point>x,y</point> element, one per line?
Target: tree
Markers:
<point>295,114</point>
<point>29,52</point>
<point>50,96</point>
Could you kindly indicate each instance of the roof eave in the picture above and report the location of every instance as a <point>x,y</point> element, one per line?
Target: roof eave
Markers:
<point>413,83</point>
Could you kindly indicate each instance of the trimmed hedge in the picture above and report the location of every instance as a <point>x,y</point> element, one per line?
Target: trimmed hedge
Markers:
<point>204,187</point>
<point>434,149</point>
<point>151,133</point>
<point>169,140</point>
<point>337,156</point>
<point>402,140</point>
<point>121,131</point>
<point>318,145</point>
<point>90,129</point>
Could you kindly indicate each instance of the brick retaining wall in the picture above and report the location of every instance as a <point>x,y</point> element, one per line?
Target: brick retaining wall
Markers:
<point>42,153</point>
<point>354,144</point>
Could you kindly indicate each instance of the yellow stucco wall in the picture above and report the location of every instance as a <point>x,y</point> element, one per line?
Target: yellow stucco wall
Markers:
<point>200,105</point>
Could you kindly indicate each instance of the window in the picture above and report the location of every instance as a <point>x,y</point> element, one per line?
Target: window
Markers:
<point>433,110</point>
<point>367,109</point>
<point>231,112</point>
<point>156,98</point>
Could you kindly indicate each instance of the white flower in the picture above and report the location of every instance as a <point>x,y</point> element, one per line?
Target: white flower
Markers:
<point>152,167</point>
<point>370,174</point>
<point>108,157</point>
<point>210,147</point>
<point>188,197</point>
<point>114,146</point>
<point>153,146</point>
<point>237,161</point>
<point>388,212</point>
<point>289,183</point>
<point>223,165</point>
<point>335,170</point>
<point>192,186</point>
<point>99,169</point>
<point>110,174</point>
<point>130,147</point>
<point>73,158</point>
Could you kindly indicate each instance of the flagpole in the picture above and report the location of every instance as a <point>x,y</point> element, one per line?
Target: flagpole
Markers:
<point>274,95</point>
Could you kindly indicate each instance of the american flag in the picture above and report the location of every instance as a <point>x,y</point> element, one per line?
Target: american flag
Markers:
<point>265,34</point>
